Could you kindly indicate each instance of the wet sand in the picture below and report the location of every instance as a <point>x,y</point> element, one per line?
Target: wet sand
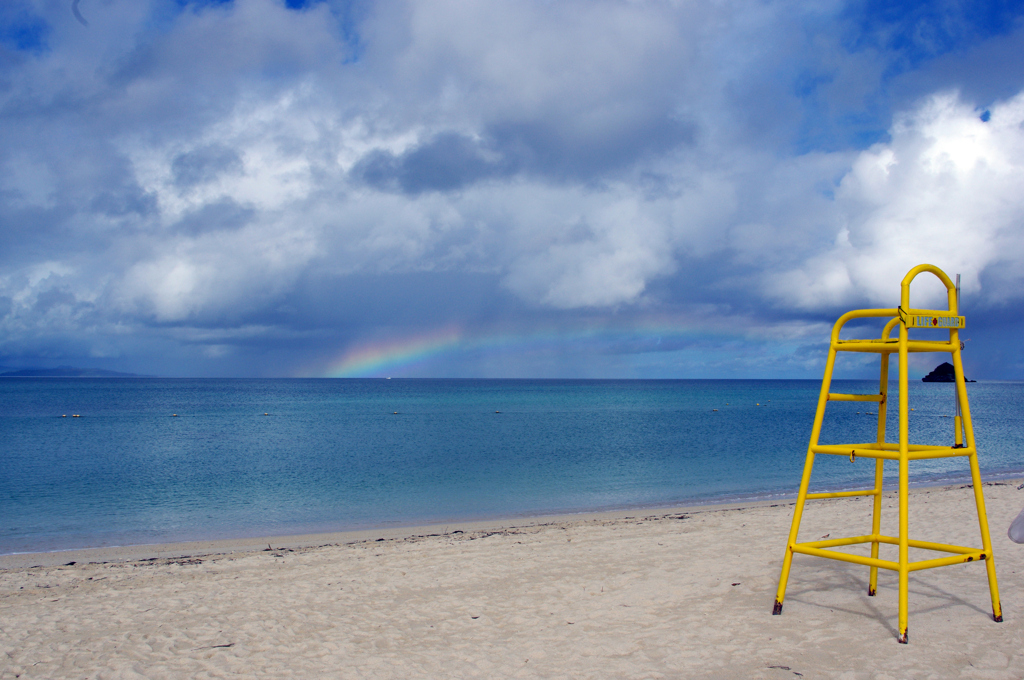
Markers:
<point>685,593</point>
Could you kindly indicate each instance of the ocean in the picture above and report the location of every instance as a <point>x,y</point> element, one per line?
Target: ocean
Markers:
<point>109,461</point>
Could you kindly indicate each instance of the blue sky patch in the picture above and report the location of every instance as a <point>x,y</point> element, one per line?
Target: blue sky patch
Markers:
<point>21,29</point>
<point>913,32</point>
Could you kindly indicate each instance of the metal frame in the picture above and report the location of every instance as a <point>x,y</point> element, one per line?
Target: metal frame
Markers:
<point>904,452</point>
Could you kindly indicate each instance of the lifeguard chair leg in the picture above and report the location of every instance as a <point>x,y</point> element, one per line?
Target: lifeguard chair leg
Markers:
<point>794,530</point>
<point>904,561</point>
<point>979,497</point>
<point>876,526</point>
<point>904,550</point>
<point>805,481</point>
<point>876,515</point>
<point>986,541</point>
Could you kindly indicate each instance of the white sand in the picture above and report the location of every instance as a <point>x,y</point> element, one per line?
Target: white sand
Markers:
<point>655,596</point>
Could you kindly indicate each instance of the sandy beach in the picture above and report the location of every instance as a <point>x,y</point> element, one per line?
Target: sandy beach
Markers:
<point>657,594</point>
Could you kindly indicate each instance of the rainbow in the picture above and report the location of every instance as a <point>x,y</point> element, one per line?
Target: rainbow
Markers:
<point>377,359</point>
<point>384,358</point>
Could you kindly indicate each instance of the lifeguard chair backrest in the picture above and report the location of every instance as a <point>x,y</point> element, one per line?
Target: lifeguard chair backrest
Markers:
<point>947,319</point>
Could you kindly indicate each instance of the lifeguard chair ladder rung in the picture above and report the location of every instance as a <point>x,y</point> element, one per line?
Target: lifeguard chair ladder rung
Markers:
<point>841,494</point>
<point>832,396</point>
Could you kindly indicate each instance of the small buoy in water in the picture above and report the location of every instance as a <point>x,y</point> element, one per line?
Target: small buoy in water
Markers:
<point>64,416</point>
<point>497,411</point>
<point>396,413</point>
<point>174,415</point>
<point>758,403</point>
<point>266,414</point>
<point>75,415</point>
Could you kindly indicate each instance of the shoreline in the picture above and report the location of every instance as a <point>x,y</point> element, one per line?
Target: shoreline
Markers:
<point>231,546</point>
<point>210,546</point>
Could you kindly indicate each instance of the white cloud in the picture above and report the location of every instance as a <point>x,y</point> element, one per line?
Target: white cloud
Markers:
<point>945,190</point>
<point>219,275</point>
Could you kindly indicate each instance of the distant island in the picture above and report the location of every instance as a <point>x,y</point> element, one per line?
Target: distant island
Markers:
<point>68,372</point>
<point>943,373</point>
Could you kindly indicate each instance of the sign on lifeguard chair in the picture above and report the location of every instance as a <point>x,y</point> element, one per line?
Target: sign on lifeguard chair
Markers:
<point>903,451</point>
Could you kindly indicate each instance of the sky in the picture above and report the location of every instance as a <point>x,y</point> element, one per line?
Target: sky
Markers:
<point>503,189</point>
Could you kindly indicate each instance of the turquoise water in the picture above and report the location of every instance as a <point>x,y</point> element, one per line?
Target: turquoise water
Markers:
<point>335,455</point>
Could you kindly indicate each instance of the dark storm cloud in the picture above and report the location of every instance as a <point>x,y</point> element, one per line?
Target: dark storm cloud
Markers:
<point>203,165</point>
<point>404,302</point>
<point>564,152</point>
<point>224,214</point>
<point>46,300</point>
<point>447,162</point>
<point>130,200</point>
<point>555,149</point>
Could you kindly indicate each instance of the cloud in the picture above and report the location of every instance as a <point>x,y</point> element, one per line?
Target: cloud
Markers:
<point>447,162</point>
<point>944,190</point>
<point>204,165</point>
<point>332,172</point>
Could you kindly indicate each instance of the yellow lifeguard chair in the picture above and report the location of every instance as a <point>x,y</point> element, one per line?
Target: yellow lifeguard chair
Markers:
<point>906,318</point>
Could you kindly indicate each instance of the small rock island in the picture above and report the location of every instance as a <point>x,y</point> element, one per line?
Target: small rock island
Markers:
<point>943,373</point>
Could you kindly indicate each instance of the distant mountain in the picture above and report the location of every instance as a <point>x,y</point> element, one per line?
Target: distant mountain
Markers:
<point>67,372</point>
